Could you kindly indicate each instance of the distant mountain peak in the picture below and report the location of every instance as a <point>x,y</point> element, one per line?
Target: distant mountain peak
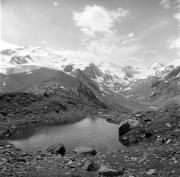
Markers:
<point>156,66</point>
<point>47,57</point>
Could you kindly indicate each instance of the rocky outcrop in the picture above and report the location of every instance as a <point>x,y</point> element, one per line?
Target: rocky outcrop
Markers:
<point>68,68</point>
<point>20,59</point>
<point>92,71</point>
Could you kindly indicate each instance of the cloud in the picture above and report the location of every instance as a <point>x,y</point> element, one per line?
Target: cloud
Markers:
<point>170,3</point>
<point>130,35</point>
<point>97,19</point>
<point>174,43</point>
<point>165,3</point>
<point>103,44</point>
<point>101,38</point>
<point>150,51</point>
<point>155,26</point>
<point>80,56</point>
<point>110,48</point>
<point>44,42</point>
<point>177,17</point>
<point>175,62</point>
<point>55,3</point>
<point>119,55</point>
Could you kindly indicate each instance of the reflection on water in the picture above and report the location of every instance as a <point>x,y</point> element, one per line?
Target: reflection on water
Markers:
<point>91,132</point>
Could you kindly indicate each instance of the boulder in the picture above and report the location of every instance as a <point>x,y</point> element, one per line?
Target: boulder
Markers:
<point>57,149</point>
<point>124,128</point>
<point>85,150</point>
<point>127,125</point>
<point>106,171</point>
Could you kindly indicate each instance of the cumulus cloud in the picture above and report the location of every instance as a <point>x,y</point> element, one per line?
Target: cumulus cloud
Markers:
<point>97,19</point>
<point>101,37</point>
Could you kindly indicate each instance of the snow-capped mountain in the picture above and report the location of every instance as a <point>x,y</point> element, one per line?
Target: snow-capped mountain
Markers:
<point>128,85</point>
<point>29,56</point>
<point>48,58</point>
<point>156,66</point>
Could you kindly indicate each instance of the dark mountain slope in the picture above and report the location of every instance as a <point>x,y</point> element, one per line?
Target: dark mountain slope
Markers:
<point>23,81</point>
<point>82,76</point>
<point>80,89</point>
<point>114,99</point>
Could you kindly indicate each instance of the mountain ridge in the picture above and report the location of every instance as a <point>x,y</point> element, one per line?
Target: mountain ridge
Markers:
<point>119,85</point>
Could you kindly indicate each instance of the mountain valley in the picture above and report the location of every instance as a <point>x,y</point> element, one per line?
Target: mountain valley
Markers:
<point>42,87</point>
<point>133,87</point>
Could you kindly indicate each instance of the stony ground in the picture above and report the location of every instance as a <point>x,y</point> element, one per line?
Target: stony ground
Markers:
<point>151,145</point>
<point>134,161</point>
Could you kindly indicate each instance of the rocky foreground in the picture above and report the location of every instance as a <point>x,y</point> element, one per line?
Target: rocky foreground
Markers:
<point>151,143</point>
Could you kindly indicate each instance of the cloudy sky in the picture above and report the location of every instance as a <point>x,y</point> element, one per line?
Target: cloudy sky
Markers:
<point>136,32</point>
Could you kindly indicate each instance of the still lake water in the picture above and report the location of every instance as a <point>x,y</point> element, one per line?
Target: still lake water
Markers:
<point>90,132</point>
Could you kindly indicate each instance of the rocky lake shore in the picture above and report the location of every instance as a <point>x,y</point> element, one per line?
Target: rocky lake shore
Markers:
<point>151,142</point>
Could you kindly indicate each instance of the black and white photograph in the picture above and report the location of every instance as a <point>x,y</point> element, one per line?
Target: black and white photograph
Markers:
<point>89,88</point>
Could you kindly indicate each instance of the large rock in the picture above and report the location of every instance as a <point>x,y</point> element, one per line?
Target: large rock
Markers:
<point>106,171</point>
<point>85,150</point>
<point>124,128</point>
<point>57,149</point>
<point>127,125</point>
